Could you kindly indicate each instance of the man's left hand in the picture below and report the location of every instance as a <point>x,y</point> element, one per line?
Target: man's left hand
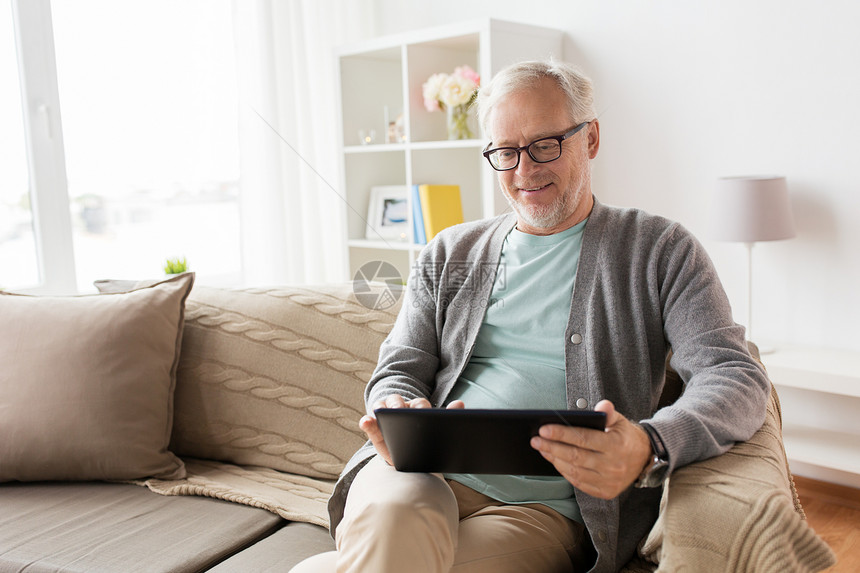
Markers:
<point>600,463</point>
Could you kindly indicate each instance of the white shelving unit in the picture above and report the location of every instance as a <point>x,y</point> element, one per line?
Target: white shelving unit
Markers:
<point>388,74</point>
<point>820,394</point>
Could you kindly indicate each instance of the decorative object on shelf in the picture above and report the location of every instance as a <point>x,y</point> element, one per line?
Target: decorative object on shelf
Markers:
<point>175,266</point>
<point>748,210</point>
<point>388,213</point>
<point>453,93</point>
<point>399,129</point>
<point>457,117</point>
<point>395,131</point>
<point>419,235</point>
<point>440,207</point>
<point>366,136</point>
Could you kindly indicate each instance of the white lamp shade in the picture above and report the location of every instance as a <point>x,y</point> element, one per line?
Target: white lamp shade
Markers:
<point>751,209</point>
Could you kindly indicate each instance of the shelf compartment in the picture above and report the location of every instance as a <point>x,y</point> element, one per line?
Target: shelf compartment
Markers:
<point>452,166</point>
<point>367,170</point>
<point>369,83</point>
<point>433,57</point>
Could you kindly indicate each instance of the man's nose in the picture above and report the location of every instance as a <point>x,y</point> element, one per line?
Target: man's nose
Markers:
<point>527,164</point>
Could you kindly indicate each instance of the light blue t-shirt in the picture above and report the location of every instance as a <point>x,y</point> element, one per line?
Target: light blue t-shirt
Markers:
<point>518,361</point>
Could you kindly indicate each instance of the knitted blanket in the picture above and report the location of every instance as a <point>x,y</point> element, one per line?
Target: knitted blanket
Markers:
<point>293,497</point>
<point>736,512</point>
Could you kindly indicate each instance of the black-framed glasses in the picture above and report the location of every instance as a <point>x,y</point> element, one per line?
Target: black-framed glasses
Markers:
<point>541,150</point>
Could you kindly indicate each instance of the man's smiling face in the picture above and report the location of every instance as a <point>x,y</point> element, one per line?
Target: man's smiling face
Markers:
<point>547,197</point>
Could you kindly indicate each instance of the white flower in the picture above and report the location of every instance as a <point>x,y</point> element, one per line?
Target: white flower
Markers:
<point>452,90</point>
<point>457,90</point>
<point>431,90</point>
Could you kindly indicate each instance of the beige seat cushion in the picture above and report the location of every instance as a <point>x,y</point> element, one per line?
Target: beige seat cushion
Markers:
<point>281,551</point>
<point>87,527</point>
<point>86,384</point>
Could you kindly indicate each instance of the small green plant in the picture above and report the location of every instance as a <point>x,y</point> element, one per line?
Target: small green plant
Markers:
<point>175,266</point>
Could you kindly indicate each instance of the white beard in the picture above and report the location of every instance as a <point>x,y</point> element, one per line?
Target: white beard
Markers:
<point>541,216</point>
<point>545,216</point>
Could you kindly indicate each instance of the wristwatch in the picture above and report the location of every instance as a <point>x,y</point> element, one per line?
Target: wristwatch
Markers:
<point>657,470</point>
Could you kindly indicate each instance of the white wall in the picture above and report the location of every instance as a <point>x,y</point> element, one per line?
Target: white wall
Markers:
<point>691,91</point>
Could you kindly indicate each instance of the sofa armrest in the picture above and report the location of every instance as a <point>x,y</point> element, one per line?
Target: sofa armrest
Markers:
<point>737,512</point>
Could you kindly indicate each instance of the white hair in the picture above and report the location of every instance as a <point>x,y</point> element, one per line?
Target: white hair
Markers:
<point>575,85</point>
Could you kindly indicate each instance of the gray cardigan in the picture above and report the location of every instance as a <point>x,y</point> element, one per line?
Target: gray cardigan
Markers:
<point>644,285</point>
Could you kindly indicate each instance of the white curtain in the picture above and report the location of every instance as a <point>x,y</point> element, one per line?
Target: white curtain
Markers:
<point>293,229</point>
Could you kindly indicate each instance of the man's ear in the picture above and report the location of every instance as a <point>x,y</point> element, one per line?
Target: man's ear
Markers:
<point>593,138</point>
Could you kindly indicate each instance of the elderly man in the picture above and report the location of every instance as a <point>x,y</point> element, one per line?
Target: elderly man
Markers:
<point>586,302</point>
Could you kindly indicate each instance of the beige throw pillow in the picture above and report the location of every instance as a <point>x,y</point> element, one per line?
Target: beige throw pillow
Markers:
<point>87,382</point>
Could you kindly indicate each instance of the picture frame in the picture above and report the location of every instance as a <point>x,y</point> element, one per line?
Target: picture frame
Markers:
<point>388,216</point>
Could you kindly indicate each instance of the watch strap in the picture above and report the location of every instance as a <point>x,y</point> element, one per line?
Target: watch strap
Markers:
<point>656,441</point>
<point>655,473</point>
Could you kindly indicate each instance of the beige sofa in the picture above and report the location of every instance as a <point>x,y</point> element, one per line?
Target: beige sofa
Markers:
<point>246,423</point>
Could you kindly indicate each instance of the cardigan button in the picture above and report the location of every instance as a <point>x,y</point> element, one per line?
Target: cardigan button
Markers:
<point>581,403</point>
<point>576,338</point>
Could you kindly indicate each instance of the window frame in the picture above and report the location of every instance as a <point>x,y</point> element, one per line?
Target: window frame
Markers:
<point>46,162</point>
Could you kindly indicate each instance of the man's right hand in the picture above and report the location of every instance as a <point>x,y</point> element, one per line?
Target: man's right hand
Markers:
<point>370,426</point>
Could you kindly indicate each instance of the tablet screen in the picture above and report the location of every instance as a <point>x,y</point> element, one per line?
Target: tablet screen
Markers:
<point>473,441</point>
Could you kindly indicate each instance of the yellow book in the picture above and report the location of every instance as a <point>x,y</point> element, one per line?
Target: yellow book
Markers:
<point>441,207</point>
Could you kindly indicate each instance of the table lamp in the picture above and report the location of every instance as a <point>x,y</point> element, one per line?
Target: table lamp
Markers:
<point>748,210</point>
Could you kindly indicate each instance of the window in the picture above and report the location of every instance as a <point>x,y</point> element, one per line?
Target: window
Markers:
<point>147,93</point>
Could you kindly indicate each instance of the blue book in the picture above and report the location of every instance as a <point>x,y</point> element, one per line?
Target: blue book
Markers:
<point>419,235</point>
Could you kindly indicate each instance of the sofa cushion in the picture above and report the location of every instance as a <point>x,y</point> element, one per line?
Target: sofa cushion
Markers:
<point>86,384</point>
<point>275,377</point>
<point>86,527</point>
<point>281,551</point>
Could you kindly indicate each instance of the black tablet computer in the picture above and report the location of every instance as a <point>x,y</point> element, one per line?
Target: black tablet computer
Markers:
<point>473,441</point>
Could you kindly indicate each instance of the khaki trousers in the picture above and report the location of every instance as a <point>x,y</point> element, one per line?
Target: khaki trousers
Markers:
<point>411,522</point>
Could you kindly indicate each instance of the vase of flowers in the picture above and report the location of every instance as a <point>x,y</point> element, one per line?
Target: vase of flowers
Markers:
<point>454,94</point>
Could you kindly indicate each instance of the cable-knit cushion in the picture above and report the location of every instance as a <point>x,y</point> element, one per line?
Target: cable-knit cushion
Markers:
<point>275,377</point>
